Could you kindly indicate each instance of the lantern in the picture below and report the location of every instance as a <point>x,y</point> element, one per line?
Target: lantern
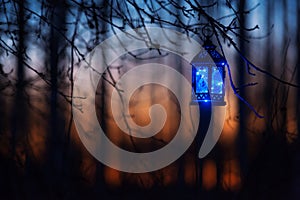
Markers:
<point>208,75</point>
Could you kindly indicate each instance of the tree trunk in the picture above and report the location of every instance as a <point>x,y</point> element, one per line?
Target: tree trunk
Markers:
<point>242,134</point>
<point>19,122</point>
<point>56,123</point>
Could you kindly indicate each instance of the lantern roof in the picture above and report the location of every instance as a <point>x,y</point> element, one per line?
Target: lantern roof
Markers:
<point>214,54</point>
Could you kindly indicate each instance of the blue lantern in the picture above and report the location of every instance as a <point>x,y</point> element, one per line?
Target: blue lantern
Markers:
<point>208,76</point>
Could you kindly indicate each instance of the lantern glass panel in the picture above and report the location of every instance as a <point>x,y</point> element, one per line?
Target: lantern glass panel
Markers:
<point>217,81</point>
<point>202,80</point>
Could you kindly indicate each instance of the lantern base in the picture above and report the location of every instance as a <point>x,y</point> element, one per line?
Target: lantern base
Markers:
<point>203,102</point>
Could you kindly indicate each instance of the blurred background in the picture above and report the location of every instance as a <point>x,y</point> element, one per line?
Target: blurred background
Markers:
<point>41,46</point>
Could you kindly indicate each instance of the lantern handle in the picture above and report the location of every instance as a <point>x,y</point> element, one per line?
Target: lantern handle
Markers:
<point>207,31</point>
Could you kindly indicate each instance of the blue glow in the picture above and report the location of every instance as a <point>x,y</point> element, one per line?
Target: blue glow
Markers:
<point>217,81</point>
<point>202,80</point>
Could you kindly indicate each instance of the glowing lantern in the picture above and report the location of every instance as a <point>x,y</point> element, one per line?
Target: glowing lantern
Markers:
<point>208,75</point>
